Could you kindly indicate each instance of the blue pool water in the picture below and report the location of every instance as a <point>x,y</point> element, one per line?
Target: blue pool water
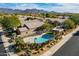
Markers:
<point>44,38</point>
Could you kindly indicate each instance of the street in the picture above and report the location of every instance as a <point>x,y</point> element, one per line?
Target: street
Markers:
<point>70,48</point>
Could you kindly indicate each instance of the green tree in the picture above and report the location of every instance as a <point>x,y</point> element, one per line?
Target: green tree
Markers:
<point>56,23</point>
<point>19,43</point>
<point>10,22</point>
<point>47,15</point>
<point>47,27</point>
<point>69,24</point>
<point>43,15</point>
<point>75,18</point>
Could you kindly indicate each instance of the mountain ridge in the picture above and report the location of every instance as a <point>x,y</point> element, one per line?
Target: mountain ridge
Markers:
<point>10,11</point>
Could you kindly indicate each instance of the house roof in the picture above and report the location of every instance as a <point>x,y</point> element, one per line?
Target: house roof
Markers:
<point>22,29</point>
<point>58,28</point>
<point>33,23</point>
<point>57,19</point>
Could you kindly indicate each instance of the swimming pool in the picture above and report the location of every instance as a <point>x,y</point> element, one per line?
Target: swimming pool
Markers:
<point>44,38</point>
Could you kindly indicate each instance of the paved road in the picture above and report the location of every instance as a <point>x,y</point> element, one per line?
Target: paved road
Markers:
<point>70,48</point>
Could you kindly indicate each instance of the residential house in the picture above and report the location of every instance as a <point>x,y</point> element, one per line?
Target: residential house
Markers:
<point>28,27</point>
<point>33,24</point>
<point>63,17</point>
<point>22,31</point>
<point>60,21</point>
<point>58,29</point>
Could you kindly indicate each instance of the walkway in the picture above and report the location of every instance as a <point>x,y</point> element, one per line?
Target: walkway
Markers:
<point>32,38</point>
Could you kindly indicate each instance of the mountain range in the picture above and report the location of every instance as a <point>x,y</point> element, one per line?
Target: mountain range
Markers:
<point>10,11</point>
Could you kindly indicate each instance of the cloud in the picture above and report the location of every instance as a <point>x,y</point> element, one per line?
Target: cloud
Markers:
<point>58,7</point>
<point>26,6</point>
<point>67,8</point>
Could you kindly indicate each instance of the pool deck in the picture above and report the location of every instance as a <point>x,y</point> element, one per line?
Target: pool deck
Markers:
<point>54,48</point>
<point>32,39</point>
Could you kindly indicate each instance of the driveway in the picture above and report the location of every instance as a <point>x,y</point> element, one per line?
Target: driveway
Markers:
<point>70,48</point>
<point>2,49</point>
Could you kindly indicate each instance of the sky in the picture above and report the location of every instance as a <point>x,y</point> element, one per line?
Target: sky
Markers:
<point>57,7</point>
